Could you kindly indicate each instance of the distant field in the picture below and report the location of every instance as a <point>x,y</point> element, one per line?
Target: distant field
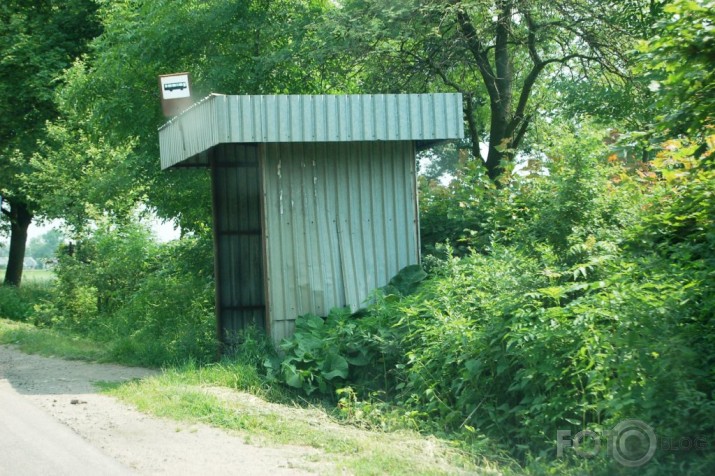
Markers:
<point>37,275</point>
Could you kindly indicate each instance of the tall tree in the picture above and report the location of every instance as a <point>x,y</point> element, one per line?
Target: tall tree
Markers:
<point>496,52</point>
<point>102,155</point>
<point>38,40</point>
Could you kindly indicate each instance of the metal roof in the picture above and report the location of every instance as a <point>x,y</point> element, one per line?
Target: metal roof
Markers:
<point>220,119</point>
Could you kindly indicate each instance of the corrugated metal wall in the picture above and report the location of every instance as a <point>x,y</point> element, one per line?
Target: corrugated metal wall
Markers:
<point>189,135</point>
<point>340,221</point>
<point>238,237</point>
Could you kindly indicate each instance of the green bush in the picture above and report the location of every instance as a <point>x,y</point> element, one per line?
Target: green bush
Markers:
<point>151,303</point>
<point>18,303</point>
<point>585,298</point>
<point>250,347</point>
<point>576,200</point>
<point>325,353</point>
<point>168,320</point>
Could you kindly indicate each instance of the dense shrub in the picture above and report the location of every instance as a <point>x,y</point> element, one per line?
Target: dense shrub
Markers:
<point>153,303</point>
<point>18,303</point>
<point>325,353</point>
<point>584,299</point>
<point>581,197</point>
<point>493,347</point>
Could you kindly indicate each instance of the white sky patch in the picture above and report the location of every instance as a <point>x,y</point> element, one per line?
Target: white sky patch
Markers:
<point>163,231</point>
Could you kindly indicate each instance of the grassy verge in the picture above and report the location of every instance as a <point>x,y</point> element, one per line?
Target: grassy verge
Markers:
<point>232,396</point>
<point>37,276</point>
<point>33,340</point>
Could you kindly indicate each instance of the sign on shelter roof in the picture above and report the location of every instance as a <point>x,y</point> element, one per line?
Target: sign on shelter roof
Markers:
<point>175,92</point>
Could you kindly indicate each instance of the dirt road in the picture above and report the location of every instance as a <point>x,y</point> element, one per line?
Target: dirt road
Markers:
<point>32,442</point>
<point>55,401</point>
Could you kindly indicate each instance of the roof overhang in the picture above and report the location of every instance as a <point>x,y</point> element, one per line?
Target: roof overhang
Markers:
<point>220,119</point>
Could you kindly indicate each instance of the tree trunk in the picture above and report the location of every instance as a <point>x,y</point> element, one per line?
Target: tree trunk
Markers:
<point>498,81</point>
<point>498,139</point>
<point>20,218</point>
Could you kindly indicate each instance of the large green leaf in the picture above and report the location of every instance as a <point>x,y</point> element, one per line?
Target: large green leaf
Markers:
<point>292,376</point>
<point>406,280</point>
<point>335,366</point>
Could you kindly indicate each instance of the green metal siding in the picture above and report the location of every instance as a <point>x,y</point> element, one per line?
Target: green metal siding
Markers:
<point>341,220</point>
<point>220,119</point>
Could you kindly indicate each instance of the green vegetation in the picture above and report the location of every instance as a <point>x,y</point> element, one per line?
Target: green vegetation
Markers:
<point>38,41</point>
<point>551,318</point>
<point>151,303</point>
<point>215,395</point>
<point>38,276</point>
<point>567,281</point>
<point>231,394</point>
<point>51,343</point>
<point>18,303</point>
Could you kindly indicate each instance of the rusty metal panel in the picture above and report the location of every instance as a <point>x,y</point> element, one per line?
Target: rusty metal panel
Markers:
<point>320,118</point>
<point>238,237</point>
<point>340,221</point>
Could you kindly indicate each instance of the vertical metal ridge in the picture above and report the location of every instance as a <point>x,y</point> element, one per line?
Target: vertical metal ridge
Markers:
<point>290,118</point>
<point>348,224</point>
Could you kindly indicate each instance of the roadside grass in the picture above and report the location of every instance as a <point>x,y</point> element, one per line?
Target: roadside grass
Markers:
<point>50,343</point>
<point>232,396</point>
<point>37,276</point>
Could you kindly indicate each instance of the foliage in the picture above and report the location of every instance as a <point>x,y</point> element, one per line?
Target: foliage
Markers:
<point>249,346</point>
<point>152,303</point>
<point>679,61</point>
<point>18,304</point>
<point>101,155</point>
<point>324,353</point>
<point>574,290</point>
<point>497,53</point>
<point>682,227</point>
<point>584,298</point>
<point>498,347</point>
<point>38,40</point>
<point>556,200</point>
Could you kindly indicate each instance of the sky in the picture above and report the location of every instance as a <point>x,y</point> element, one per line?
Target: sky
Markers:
<point>163,231</point>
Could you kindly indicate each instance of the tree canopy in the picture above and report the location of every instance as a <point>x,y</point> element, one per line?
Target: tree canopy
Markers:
<point>38,40</point>
<point>499,53</point>
<point>104,146</point>
<point>678,61</point>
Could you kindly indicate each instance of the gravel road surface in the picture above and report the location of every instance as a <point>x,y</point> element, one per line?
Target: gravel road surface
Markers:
<point>53,422</point>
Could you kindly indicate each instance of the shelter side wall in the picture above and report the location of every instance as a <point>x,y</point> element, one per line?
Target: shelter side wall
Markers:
<point>240,299</point>
<point>340,221</point>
